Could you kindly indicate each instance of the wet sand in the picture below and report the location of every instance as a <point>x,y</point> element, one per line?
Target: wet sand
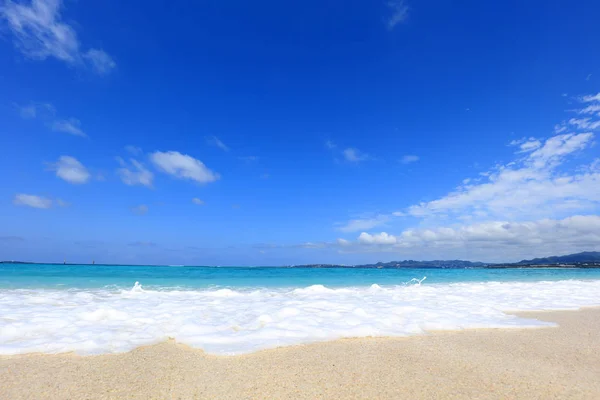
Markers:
<point>544,363</point>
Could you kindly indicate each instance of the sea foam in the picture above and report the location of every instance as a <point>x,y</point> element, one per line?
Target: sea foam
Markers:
<point>227,321</point>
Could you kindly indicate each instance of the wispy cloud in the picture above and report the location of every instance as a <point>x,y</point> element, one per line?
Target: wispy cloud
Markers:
<point>348,154</point>
<point>62,203</point>
<point>526,144</point>
<point>585,123</point>
<point>409,159</point>
<point>36,110</point>
<point>363,224</point>
<point>590,98</point>
<point>101,62</point>
<point>39,32</point>
<point>399,13</point>
<point>305,245</point>
<point>47,113</point>
<point>134,173</point>
<point>28,112</point>
<point>71,126</point>
<point>354,155</point>
<point>140,210</point>
<point>527,186</point>
<point>215,141</point>
<point>11,239</point>
<point>591,109</point>
<point>537,183</point>
<point>134,150</point>
<point>539,202</point>
<point>182,166</point>
<point>560,128</point>
<point>142,244</point>
<point>71,170</point>
<point>197,201</point>
<point>30,200</point>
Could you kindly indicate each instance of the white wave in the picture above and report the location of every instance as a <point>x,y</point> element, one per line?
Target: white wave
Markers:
<point>225,321</point>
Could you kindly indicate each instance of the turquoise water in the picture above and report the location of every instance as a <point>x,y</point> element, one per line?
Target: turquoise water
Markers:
<point>14,276</point>
<point>95,309</point>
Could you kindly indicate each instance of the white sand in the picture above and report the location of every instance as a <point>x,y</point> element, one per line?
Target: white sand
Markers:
<point>543,363</point>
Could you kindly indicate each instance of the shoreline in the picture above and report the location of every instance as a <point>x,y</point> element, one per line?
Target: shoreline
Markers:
<point>553,362</point>
<point>531,314</point>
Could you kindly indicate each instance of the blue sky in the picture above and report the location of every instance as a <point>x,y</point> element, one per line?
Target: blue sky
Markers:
<point>237,133</point>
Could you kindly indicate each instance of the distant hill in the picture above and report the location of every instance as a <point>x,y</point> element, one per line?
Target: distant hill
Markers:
<point>592,258</point>
<point>584,257</point>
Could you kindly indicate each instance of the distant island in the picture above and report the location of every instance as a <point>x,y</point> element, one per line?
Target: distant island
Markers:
<point>586,259</point>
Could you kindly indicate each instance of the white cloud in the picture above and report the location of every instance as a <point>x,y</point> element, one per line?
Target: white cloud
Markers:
<point>539,203</point>
<point>140,210</point>
<point>143,244</point>
<point>39,32</point>
<point>183,166</point>
<point>530,145</point>
<point>399,13</point>
<point>585,123</point>
<point>197,201</point>
<point>100,61</point>
<point>378,238</point>
<point>330,145</point>
<point>490,241</point>
<point>305,245</point>
<point>591,109</point>
<point>354,155</point>
<point>36,110</point>
<point>136,151</point>
<point>527,144</point>
<point>591,98</point>
<point>409,159</point>
<point>71,170</point>
<point>554,150</point>
<point>46,112</point>
<point>343,242</point>
<point>529,186</point>
<point>215,141</point>
<point>71,126</point>
<point>560,128</point>
<point>363,224</point>
<point>312,245</point>
<point>28,112</point>
<point>30,200</point>
<point>62,203</point>
<point>134,174</point>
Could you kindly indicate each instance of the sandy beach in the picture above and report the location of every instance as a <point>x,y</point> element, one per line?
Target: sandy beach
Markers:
<point>545,363</point>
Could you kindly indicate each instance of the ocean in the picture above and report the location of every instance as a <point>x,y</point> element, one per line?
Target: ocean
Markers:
<point>97,309</point>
